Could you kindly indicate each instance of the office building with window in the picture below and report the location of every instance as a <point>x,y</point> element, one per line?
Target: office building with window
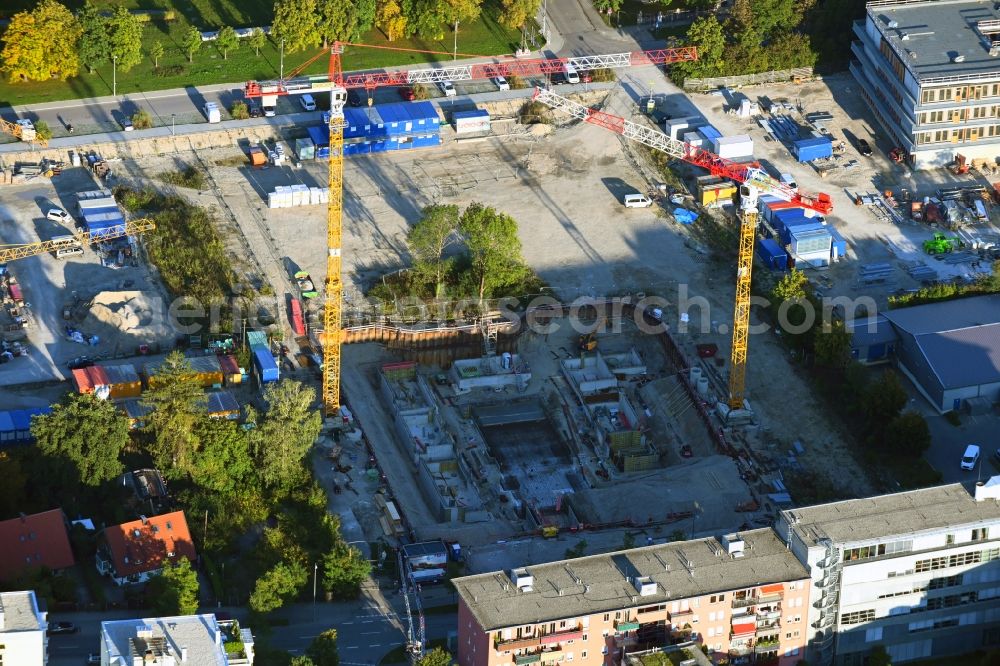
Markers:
<point>744,596</point>
<point>917,572</point>
<point>929,71</point>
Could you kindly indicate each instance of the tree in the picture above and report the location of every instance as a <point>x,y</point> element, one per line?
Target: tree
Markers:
<point>92,49</point>
<point>833,347</point>
<point>177,403</point>
<point>42,130</point>
<point>517,13</point>
<point>338,20</point>
<point>576,551</point>
<point>257,40</point>
<point>364,14</point>
<point>429,238</point>
<point>86,432</point>
<point>223,463</point>
<point>239,111</point>
<point>708,36</point>
<point>156,52</point>
<point>323,649</point>
<point>191,41</point>
<point>297,23</point>
<point>455,12</point>
<point>279,584</point>
<point>436,657</point>
<point>793,286</point>
<point>141,119</point>
<point>390,20</point>
<point>773,17</point>
<point>301,660</point>
<point>15,482</point>
<point>879,657</point>
<point>344,569</point>
<point>228,41</point>
<point>174,591</point>
<point>124,31</point>
<point>885,399</point>
<point>907,435</point>
<point>494,248</point>
<point>289,428</point>
<point>41,44</point>
<point>628,541</point>
<point>607,6</point>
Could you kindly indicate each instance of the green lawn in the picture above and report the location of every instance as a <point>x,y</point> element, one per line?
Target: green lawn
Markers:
<point>486,37</point>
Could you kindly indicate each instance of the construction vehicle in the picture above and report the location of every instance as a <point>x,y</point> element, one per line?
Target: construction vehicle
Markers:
<point>306,285</point>
<point>897,155</point>
<point>338,85</point>
<point>23,130</point>
<point>941,244</point>
<point>753,182</point>
<point>587,342</point>
<point>959,166</point>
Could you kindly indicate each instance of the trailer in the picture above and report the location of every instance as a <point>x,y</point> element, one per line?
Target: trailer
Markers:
<point>264,365</point>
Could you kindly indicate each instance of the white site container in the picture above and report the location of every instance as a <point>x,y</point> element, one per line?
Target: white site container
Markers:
<point>694,138</point>
<point>733,147</point>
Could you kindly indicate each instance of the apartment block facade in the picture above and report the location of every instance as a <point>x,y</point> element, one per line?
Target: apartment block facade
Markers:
<point>917,572</point>
<point>744,596</point>
<point>929,71</point>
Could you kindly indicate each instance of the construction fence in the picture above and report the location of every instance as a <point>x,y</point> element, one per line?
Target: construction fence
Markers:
<point>796,75</point>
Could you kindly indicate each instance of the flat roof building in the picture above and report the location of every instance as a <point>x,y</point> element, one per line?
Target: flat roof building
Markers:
<point>929,71</point>
<point>917,572</point>
<point>745,594</point>
<point>22,630</point>
<point>185,640</point>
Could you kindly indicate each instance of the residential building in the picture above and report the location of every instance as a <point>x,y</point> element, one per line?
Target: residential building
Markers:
<point>133,552</point>
<point>917,572</point>
<point>38,540</point>
<point>951,350</point>
<point>185,640</point>
<point>23,641</point>
<point>745,596</point>
<point>929,71</point>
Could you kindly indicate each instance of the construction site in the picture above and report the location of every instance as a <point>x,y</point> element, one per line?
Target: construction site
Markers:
<point>621,417</point>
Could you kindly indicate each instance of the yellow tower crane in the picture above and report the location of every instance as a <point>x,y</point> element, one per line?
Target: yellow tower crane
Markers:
<point>130,228</point>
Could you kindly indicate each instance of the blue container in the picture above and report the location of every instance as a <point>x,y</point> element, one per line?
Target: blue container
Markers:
<point>15,425</point>
<point>709,133</point>
<point>772,254</point>
<point>814,148</point>
<point>264,366</point>
<point>321,138</point>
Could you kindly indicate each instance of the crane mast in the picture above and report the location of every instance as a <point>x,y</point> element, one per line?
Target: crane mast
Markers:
<point>752,180</point>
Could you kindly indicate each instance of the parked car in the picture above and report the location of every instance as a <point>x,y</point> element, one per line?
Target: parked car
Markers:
<point>124,121</point>
<point>269,111</point>
<point>308,103</point>
<point>501,83</point>
<point>970,457</point>
<point>62,628</point>
<point>448,89</point>
<point>864,148</point>
<point>353,98</point>
<point>59,215</point>
<point>637,201</point>
<point>407,93</point>
<point>80,362</point>
<point>254,110</point>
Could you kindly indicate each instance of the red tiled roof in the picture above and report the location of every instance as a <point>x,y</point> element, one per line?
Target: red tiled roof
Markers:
<point>144,545</point>
<point>36,540</point>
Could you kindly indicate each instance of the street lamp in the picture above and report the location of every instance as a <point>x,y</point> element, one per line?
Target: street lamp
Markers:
<point>114,76</point>
<point>455,52</point>
<point>173,116</point>
<point>281,62</point>
<point>315,568</point>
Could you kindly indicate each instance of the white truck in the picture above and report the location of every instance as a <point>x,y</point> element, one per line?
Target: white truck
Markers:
<point>212,112</point>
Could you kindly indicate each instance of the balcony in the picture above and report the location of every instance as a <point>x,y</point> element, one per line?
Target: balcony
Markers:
<point>528,659</point>
<point>766,646</point>
<point>680,615</point>
<point>560,636</point>
<point>517,643</point>
<point>767,629</point>
<point>621,625</point>
<point>757,601</point>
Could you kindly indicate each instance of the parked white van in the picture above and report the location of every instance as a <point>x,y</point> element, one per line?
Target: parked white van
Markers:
<point>212,112</point>
<point>637,201</point>
<point>67,246</point>
<point>571,75</point>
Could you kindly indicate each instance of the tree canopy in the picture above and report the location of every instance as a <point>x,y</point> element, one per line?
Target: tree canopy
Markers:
<point>174,591</point>
<point>286,432</point>
<point>41,44</point>
<point>278,585</point>
<point>428,239</point>
<point>494,249</point>
<point>344,569</point>
<point>297,23</point>
<point>191,41</point>
<point>227,41</point>
<point>323,649</point>
<point>177,404</point>
<point>124,38</point>
<point>92,49</point>
<point>436,657</point>
<point>87,433</point>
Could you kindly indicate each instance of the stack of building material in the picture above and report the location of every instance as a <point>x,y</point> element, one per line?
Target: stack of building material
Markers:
<point>873,273</point>
<point>289,196</point>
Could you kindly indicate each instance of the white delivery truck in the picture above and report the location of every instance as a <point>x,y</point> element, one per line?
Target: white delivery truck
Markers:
<point>212,112</point>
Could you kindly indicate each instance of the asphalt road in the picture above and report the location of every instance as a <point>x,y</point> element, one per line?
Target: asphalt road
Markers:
<point>366,629</point>
<point>575,29</point>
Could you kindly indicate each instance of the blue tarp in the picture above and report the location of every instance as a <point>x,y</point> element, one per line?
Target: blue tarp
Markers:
<point>685,216</point>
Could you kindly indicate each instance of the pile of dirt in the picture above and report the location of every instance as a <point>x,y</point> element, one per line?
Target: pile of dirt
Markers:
<point>123,319</point>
